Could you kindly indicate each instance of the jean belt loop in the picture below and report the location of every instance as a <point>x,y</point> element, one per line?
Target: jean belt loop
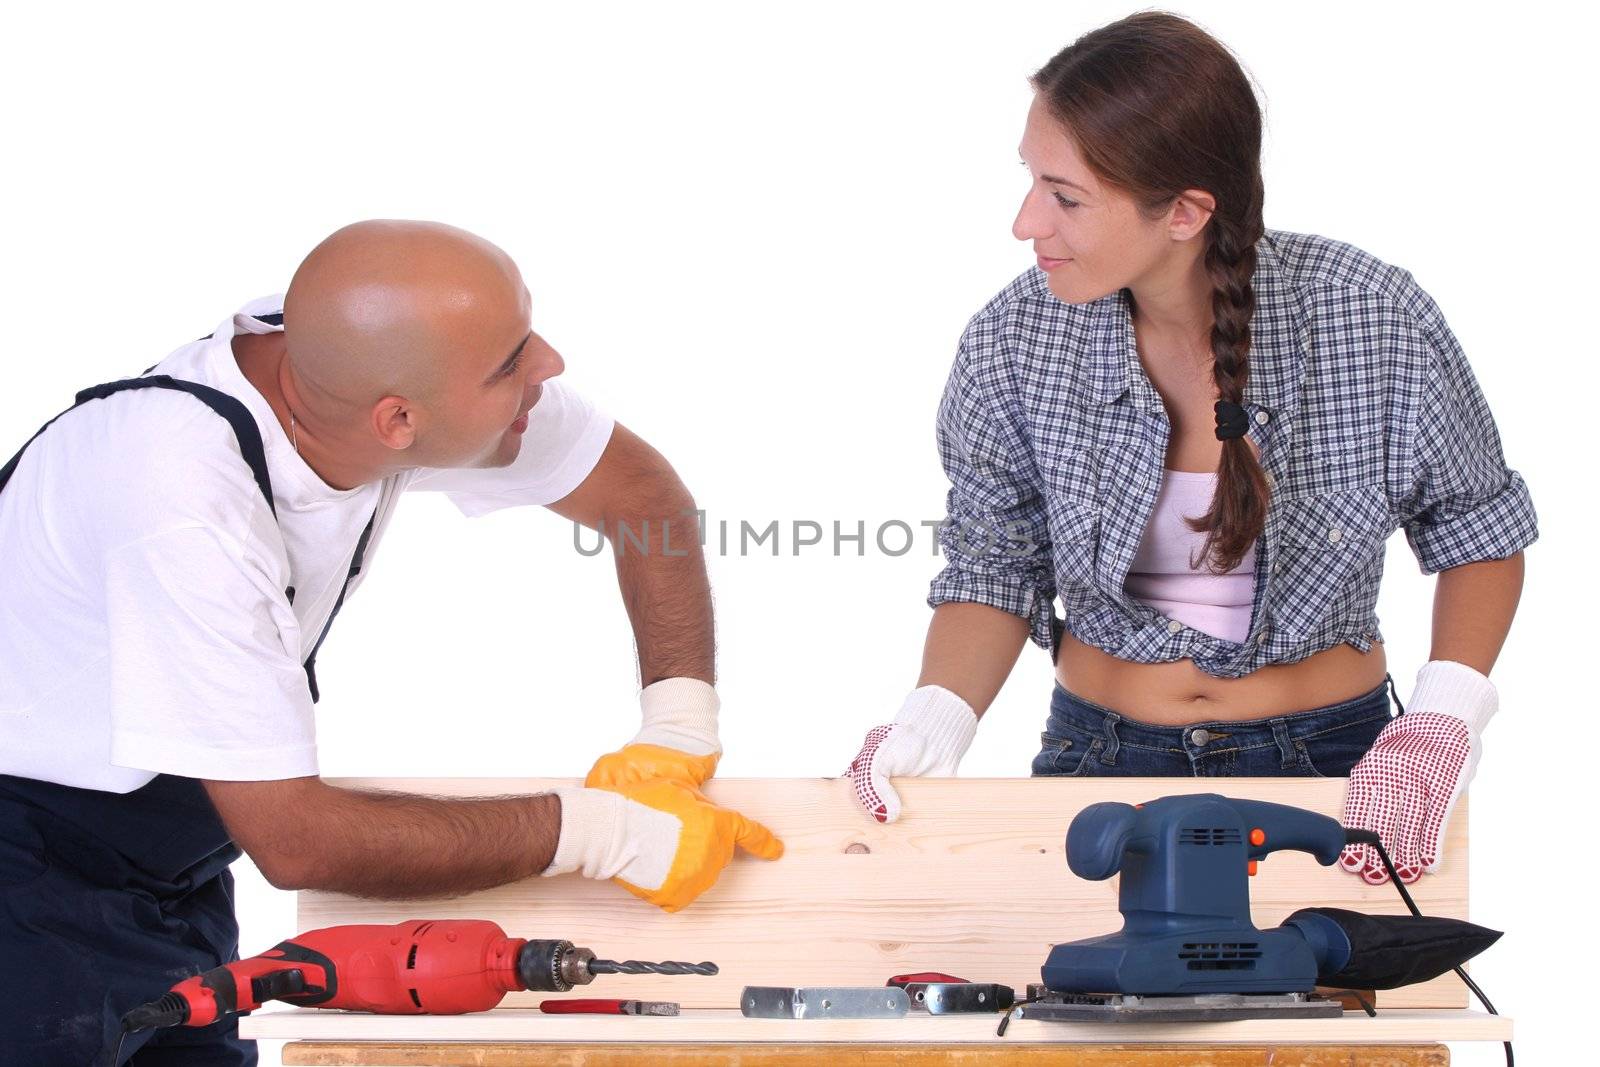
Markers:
<point>1280,734</point>
<point>1109,756</point>
<point>1395,693</point>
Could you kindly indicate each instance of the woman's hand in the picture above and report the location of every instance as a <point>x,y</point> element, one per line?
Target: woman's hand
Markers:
<point>1408,783</point>
<point>930,735</point>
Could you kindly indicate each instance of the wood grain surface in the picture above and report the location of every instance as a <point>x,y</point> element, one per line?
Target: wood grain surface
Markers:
<point>971,881</point>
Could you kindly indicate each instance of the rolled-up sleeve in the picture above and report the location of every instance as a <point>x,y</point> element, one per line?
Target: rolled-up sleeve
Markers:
<point>1466,505</point>
<point>995,537</point>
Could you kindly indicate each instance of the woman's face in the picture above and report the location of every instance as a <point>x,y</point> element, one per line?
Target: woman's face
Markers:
<point>1090,238</point>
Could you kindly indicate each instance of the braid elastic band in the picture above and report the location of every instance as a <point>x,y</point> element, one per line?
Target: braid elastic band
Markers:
<point>1231,421</point>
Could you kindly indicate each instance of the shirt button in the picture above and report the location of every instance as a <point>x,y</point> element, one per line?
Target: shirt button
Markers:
<point>1334,535</point>
<point>1262,418</point>
<point>1199,737</point>
<point>1261,638</point>
<point>1269,479</point>
<point>1174,627</point>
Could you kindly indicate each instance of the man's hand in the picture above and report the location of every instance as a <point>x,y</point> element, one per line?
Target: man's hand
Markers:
<point>929,736</point>
<point>1408,783</point>
<point>661,840</point>
<point>677,741</point>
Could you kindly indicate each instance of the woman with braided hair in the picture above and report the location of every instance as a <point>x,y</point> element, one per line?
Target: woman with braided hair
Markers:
<point>1198,434</point>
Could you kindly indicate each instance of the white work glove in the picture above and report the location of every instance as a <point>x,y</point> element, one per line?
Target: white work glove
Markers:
<point>930,735</point>
<point>661,840</point>
<point>680,713</point>
<point>677,739</point>
<point>1408,783</point>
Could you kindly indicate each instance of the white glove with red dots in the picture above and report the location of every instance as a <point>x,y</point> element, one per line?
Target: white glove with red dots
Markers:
<point>930,735</point>
<point>1408,783</point>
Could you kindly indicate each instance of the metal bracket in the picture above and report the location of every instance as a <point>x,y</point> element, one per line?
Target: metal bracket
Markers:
<point>959,998</point>
<point>823,1002</point>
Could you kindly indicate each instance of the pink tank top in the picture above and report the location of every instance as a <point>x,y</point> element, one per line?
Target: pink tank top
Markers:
<point>1217,604</point>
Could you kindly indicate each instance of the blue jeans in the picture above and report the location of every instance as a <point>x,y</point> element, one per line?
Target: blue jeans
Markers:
<point>1083,740</point>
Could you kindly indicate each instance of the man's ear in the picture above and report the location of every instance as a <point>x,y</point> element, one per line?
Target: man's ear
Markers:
<point>1189,213</point>
<point>394,422</point>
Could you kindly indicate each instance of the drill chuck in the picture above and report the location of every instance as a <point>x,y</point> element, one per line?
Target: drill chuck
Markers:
<point>553,966</point>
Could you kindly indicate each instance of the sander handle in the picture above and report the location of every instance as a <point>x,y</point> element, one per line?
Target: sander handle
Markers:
<point>1280,827</point>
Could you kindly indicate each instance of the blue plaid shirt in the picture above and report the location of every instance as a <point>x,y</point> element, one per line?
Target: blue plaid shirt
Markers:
<point>1361,403</point>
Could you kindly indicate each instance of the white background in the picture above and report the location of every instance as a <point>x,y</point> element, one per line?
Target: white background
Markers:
<point>756,233</point>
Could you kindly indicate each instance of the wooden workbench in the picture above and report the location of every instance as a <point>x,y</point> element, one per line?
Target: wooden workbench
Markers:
<point>973,881</point>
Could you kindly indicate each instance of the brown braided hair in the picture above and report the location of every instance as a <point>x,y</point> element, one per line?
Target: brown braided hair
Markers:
<point>1156,106</point>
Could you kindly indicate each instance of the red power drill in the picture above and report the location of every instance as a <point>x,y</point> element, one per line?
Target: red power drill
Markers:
<point>421,967</point>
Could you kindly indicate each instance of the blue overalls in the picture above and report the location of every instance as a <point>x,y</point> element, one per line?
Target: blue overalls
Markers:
<point>109,899</point>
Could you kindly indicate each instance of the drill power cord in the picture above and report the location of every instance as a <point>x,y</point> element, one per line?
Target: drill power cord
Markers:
<point>168,1010</point>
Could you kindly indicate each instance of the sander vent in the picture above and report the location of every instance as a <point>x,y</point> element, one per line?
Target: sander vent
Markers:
<point>1221,955</point>
<point>1203,835</point>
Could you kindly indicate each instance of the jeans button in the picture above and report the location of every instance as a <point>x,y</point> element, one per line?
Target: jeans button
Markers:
<point>1199,737</point>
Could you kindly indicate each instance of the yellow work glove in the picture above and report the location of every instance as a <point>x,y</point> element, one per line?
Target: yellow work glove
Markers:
<point>662,841</point>
<point>635,764</point>
<point>677,739</point>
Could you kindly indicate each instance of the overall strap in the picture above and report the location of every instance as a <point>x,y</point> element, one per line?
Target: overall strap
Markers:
<point>230,408</point>
<point>350,576</point>
<point>248,433</point>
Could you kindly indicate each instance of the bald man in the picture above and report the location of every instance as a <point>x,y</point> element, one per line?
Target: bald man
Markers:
<point>173,550</point>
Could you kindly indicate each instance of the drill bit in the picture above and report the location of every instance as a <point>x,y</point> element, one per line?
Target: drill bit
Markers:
<point>639,967</point>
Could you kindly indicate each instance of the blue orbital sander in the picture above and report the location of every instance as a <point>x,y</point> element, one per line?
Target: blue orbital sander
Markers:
<point>1187,950</point>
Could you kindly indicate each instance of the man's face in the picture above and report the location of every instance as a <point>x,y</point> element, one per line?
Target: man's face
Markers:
<point>496,377</point>
<point>1090,238</point>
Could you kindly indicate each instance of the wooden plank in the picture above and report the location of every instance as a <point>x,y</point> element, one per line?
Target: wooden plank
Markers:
<point>699,1027</point>
<point>972,881</point>
<point>390,1054</point>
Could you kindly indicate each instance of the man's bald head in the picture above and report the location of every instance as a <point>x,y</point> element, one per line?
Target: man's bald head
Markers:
<point>391,307</point>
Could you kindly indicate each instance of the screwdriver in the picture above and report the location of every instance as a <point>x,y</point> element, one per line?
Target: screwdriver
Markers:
<point>608,1007</point>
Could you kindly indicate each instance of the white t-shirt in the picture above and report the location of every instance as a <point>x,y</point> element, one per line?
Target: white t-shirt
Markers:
<point>144,625</point>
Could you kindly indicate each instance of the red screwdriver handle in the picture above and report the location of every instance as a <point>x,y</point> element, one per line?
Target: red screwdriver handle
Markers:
<point>582,1007</point>
<point>924,977</point>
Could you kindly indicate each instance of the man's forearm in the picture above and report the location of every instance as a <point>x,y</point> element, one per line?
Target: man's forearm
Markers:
<point>1473,606</point>
<point>637,501</point>
<point>661,572</point>
<point>393,846</point>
